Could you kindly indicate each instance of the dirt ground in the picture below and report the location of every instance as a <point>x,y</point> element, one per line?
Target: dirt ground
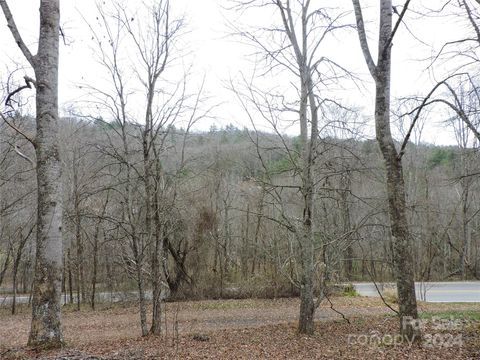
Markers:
<point>241,329</point>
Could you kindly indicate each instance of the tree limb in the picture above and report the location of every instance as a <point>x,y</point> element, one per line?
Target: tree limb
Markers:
<point>419,109</point>
<point>397,24</point>
<point>16,34</point>
<point>471,19</point>
<point>363,39</point>
<point>16,129</point>
<point>28,85</point>
<point>23,156</point>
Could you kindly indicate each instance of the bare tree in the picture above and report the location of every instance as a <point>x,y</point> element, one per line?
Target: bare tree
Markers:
<point>402,238</point>
<point>294,46</point>
<point>46,313</point>
<point>138,141</point>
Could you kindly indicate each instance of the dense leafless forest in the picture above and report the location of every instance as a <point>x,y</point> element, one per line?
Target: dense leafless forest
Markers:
<point>223,232</point>
<point>130,197</point>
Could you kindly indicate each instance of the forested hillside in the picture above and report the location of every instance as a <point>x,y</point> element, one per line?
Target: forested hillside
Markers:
<point>223,231</point>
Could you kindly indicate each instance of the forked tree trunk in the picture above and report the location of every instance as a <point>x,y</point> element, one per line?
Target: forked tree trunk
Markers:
<point>402,239</point>
<point>309,138</point>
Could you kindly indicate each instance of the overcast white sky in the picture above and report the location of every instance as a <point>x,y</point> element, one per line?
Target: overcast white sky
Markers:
<point>220,56</point>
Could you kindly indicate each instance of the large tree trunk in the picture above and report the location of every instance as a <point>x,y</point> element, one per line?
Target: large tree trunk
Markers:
<point>46,313</point>
<point>307,304</point>
<point>47,290</point>
<point>402,239</point>
<point>306,236</point>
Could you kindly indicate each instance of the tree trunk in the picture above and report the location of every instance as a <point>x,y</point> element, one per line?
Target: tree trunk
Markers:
<point>78,236</point>
<point>138,258</point>
<point>141,301</point>
<point>47,289</point>
<point>95,252</point>
<point>158,258</point>
<point>466,235</point>
<point>402,239</point>
<point>46,328</point>
<point>16,264</point>
<point>307,305</point>
<point>346,223</point>
<point>70,277</point>
<point>5,264</point>
<point>306,236</point>
<point>95,266</point>
<point>14,283</point>
<point>156,328</point>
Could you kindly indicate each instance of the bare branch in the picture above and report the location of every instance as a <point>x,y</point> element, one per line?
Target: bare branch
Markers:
<point>30,139</point>
<point>28,85</point>
<point>23,156</point>
<point>472,21</point>
<point>363,39</point>
<point>397,24</point>
<point>16,34</point>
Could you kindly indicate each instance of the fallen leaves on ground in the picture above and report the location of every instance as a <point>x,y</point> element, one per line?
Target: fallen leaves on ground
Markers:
<point>249,329</point>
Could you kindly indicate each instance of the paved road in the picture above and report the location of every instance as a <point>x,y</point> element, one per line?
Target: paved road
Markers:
<point>6,300</point>
<point>464,291</point>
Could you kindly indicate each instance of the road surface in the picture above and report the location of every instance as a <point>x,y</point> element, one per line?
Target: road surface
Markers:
<point>6,299</point>
<point>462,291</point>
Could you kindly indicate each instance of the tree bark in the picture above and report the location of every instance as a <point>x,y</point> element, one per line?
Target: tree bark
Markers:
<point>402,239</point>
<point>346,223</point>
<point>70,277</point>
<point>46,329</point>
<point>6,263</point>
<point>16,264</point>
<point>78,235</point>
<point>306,240</point>
<point>157,268</point>
<point>309,139</point>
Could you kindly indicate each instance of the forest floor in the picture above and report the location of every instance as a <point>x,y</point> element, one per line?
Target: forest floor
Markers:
<point>253,329</point>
